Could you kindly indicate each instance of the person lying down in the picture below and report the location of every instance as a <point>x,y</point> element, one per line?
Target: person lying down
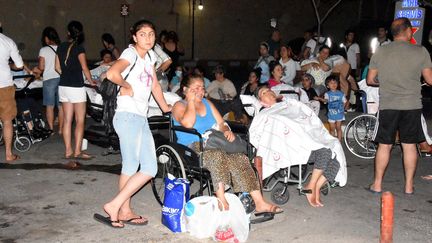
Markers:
<point>288,133</point>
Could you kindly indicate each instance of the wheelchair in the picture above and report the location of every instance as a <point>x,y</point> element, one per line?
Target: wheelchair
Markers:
<point>184,162</point>
<point>359,134</point>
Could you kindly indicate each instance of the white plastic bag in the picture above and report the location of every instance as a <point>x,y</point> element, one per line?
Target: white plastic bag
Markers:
<point>239,220</point>
<point>202,215</point>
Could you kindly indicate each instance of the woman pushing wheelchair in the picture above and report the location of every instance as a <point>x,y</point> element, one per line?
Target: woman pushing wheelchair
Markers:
<point>195,111</point>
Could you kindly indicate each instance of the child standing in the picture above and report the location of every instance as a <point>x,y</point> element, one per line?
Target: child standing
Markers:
<point>336,102</point>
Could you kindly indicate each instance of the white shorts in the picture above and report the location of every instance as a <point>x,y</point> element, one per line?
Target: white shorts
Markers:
<point>72,94</point>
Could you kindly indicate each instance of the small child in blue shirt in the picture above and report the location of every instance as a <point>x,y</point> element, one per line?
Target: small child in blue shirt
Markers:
<point>336,102</point>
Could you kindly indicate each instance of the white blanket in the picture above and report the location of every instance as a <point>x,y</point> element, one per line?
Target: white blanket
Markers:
<point>286,134</point>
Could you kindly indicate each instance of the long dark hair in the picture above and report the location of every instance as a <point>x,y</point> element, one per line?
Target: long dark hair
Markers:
<point>108,38</point>
<point>76,34</point>
<point>50,33</point>
<point>186,83</point>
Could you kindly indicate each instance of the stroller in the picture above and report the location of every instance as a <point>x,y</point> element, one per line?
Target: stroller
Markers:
<point>29,126</point>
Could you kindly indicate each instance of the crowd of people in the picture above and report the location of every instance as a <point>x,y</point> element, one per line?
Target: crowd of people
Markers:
<point>151,65</point>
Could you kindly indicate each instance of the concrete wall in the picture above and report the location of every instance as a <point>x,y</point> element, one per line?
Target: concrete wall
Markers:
<point>225,29</point>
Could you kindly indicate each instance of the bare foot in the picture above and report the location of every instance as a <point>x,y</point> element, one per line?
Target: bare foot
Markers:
<point>427,177</point>
<point>132,218</point>
<point>375,188</point>
<point>223,204</point>
<point>12,158</point>
<point>318,199</point>
<point>267,207</point>
<point>310,195</point>
<point>113,213</point>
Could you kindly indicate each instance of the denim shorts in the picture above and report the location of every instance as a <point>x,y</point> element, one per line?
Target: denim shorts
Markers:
<point>50,92</point>
<point>136,144</point>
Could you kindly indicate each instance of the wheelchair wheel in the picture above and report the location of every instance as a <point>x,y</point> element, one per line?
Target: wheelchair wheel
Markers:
<point>168,161</point>
<point>358,136</point>
<point>280,194</point>
<point>22,144</point>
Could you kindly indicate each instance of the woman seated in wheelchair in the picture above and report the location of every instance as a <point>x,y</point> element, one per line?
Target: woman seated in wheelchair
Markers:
<point>325,166</point>
<point>194,111</point>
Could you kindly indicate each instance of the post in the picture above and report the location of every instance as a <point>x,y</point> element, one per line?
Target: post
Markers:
<point>387,207</point>
<point>193,29</point>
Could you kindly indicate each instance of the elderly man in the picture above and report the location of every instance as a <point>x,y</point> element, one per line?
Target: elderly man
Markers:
<point>8,110</point>
<point>398,66</point>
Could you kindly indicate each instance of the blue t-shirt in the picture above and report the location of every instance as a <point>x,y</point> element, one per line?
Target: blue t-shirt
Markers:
<point>202,124</point>
<point>336,100</point>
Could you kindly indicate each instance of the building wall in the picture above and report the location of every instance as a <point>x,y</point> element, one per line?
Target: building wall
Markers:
<point>225,29</point>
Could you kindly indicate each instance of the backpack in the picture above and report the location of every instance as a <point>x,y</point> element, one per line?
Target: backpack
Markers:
<point>109,92</point>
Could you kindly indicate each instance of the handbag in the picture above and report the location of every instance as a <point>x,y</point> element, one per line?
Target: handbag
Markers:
<point>175,198</point>
<point>216,140</point>
<point>109,91</point>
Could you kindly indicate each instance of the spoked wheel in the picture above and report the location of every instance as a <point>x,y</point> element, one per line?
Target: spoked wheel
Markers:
<point>168,161</point>
<point>358,136</point>
<point>22,144</point>
<point>280,194</point>
<point>325,189</point>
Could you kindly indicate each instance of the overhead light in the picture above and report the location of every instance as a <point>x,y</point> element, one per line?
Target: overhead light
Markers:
<point>200,5</point>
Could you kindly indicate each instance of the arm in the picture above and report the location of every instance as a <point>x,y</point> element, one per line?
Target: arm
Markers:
<point>41,64</point>
<point>57,65</point>
<point>158,94</point>
<point>116,53</point>
<point>185,114</point>
<point>165,65</point>
<point>427,75</point>
<point>306,53</point>
<point>223,127</point>
<point>114,74</point>
<point>231,89</point>
<point>371,77</point>
<point>86,71</point>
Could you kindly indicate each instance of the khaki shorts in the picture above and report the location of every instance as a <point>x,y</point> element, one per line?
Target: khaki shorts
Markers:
<point>8,109</point>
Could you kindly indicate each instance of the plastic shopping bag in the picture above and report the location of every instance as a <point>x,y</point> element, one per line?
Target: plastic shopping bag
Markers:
<point>176,196</point>
<point>202,215</point>
<point>233,224</point>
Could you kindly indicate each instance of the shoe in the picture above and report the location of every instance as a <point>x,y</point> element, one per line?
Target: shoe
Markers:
<point>372,191</point>
<point>131,221</point>
<point>107,221</point>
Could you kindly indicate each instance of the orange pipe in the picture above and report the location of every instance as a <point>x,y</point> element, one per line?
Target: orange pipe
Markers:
<point>387,208</point>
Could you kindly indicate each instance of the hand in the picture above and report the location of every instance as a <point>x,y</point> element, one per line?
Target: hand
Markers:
<point>190,95</point>
<point>229,136</point>
<point>315,65</point>
<point>126,90</point>
<point>93,82</point>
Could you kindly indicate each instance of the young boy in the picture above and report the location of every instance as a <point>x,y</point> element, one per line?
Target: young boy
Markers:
<point>336,101</point>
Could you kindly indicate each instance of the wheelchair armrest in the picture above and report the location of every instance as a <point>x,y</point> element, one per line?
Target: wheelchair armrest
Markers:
<point>187,130</point>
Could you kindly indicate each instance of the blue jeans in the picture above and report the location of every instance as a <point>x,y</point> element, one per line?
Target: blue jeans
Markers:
<point>136,144</point>
<point>50,92</point>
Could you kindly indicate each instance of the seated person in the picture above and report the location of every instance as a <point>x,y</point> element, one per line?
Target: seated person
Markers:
<point>252,85</point>
<point>222,93</point>
<point>287,133</point>
<point>201,71</point>
<point>106,58</point>
<point>194,111</point>
<point>276,74</point>
<point>307,82</point>
<point>174,84</point>
<point>320,68</point>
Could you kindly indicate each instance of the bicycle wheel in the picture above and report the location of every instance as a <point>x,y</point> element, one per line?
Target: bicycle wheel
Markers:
<point>22,144</point>
<point>168,161</point>
<point>358,136</point>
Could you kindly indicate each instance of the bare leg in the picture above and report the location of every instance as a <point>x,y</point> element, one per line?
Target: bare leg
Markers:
<point>125,212</point>
<point>333,129</point>
<point>134,183</point>
<point>258,167</point>
<point>410,165</point>
<point>8,136</point>
<point>339,130</point>
<point>311,197</point>
<point>68,111</point>
<point>318,186</point>
<point>60,119</point>
<point>80,109</point>
<point>50,116</point>
<point>261,205</point>
<point>220,194</point>
<point>382,158</point>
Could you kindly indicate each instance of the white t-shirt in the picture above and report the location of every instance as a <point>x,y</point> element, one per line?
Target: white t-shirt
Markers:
<point>8,49</point>
<point>161,56</point>
<point>141,80</point>
<point>290,71</point>
<point>49,55</point>
<point>216,89</point>
<point>352,52</point>
<point>312,45</point>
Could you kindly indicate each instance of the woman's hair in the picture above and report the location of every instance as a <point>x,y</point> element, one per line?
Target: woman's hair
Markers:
<point>172,36</point>
<point>272,65</point>
<point>330,78</point>
<point>257,72</point>
<point>265,44</point>
<point>186,83</point>
<point>324,47</point>
<point>104,52</point>
<point>289,49</point>
<point>50,33</point>
<point>138,25</point>
<point>219,69</point>
<point>108,38</point>
<point>76,33</point>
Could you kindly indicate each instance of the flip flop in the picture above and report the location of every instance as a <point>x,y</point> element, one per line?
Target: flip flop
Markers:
<point>273,210</point>
<point>409,193</point>
<point>131,221</point>
<point>372,191</point>
<point>15,158</point>
<point>264,218</point>
<point>83,156</point>
<point>106,220</point>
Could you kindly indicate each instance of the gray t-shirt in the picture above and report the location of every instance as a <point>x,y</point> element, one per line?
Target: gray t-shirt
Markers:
<point>400,65</point>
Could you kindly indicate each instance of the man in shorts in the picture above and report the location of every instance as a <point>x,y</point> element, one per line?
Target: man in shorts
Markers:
<point>398,67</point>
<point>8,110</point>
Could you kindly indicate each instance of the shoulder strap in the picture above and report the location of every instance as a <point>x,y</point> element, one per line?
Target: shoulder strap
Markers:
<point>130,70</point>
<point>52,49</point>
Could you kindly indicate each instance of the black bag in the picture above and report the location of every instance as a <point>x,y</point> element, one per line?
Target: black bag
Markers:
<point>109,92</point>
<point>217,140</point>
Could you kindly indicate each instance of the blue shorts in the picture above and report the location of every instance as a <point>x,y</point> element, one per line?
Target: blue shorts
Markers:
<point>50,92</point>
<point>136,144</point>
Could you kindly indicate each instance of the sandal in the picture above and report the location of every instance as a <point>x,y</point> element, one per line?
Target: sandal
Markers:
<point>107,221</point>
<point>273,210</point>
<point>132,221</point>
